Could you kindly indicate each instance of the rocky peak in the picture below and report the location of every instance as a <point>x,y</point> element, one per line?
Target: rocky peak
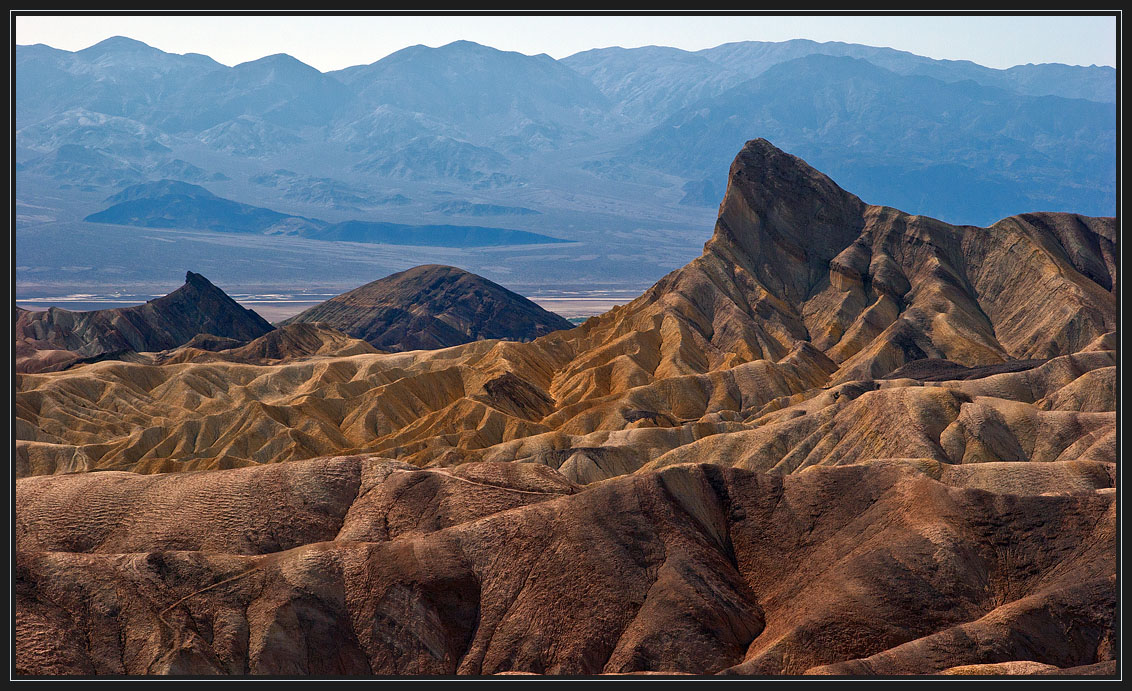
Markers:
<point>197,307</point>
<point>782,220</point>
<point>433,306</point>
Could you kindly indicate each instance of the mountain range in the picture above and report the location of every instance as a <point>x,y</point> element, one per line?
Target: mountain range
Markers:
<point>607,148</point>
<point>802,288</point>
<point>845,440</point>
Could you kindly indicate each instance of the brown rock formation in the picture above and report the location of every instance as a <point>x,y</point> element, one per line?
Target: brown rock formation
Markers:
<point>284,344</point>
<point>845,440</point>
<point>57,339</point>
<point>366,566</point>
<point>432,306</point>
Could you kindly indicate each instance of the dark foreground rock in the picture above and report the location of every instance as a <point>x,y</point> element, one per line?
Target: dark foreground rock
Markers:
<point>359,566</point>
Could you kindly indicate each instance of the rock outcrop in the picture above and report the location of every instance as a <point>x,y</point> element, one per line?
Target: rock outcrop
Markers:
<point>285,344</point>
<point>361,565</point>
<point>432,306</point>
<point>58,338</point>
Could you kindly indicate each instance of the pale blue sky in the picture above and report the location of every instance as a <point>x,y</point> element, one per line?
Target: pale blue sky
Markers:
<point>334,42</point>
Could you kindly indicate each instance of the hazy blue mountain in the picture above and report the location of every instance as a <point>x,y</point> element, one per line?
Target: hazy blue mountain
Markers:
<point>429,235</point>
<point>957,151</point>
<point>328,192</point>
<point>435,157</point>
<point>119,76</point>
<point>277,89</point>
<point>1094,83</point>
<point>177,169</point>
<point>648,84</point>
<point>83,165</point>
<point>249,136</point>
<point>175,204</point>
<point>752,58</point>
<point>385,127</point>
<point>466,208</point>
<point>651,83</point>
<point>484,92</point>
<point>124,136</point>
<point>608,146</point>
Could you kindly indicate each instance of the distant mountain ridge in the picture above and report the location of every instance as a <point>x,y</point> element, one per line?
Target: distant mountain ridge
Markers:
<point>912,142</point>
<point>511,100</point>
<point>653,127</point>
<point>667,79</point>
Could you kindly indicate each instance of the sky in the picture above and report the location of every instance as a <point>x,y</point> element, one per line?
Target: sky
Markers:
<point>334,42</point>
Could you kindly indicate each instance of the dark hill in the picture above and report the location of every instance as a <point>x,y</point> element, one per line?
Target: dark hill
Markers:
<point>198,307</point>
<point>430,235</point>
<point>174,204</point>
<point>433,306</point>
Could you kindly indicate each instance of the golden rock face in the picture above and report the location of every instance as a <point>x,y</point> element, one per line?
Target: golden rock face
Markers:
<point>802,289</point>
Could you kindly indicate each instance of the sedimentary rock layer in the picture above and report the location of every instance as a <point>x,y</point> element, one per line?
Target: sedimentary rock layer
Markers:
<point>814,329</point>
<point>58,338</point>
<point>360,565</point>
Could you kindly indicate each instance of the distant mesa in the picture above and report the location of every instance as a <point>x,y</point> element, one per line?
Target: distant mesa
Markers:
<point>432,306</point>
<point>177,204</point>
<point>429,235</point>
